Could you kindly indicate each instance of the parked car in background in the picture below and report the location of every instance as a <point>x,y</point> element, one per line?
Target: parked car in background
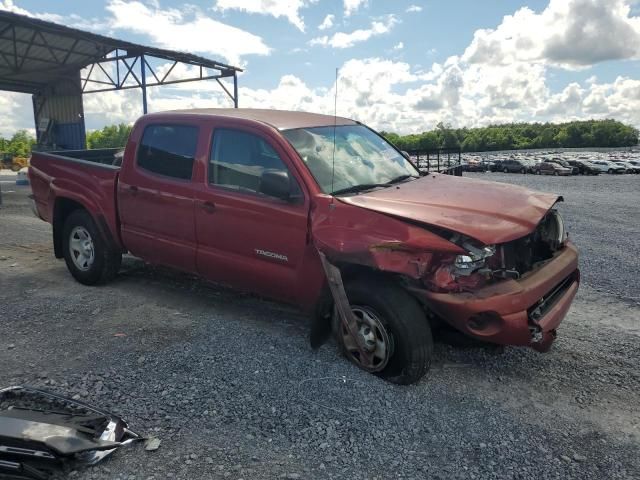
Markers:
<point>552,168</point>
<point>474,166</point>
<point>565,164</point>
<point>608,167</point>
<point>628,166</point>
<point>584,167</point>
<point>374,251</point>
<point>489,165</point>
<point>636,165</point>
<point>532,164</point>
<point>513,166</point>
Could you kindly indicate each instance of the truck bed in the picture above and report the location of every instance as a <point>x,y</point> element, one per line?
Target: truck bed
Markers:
<point>105,156</point>
<point>84,177</point>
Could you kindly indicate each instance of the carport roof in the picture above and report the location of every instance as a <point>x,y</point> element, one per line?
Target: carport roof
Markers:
<point>35,53</point>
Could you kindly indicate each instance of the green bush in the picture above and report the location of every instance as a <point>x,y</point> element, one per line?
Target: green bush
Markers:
<point>112,136</point>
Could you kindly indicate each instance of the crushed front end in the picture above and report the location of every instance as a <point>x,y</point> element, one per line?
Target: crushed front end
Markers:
<point>515,293</point>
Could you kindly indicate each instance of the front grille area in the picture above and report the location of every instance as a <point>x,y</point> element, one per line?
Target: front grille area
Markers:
<point>521,256</point>
<point>542,306</point>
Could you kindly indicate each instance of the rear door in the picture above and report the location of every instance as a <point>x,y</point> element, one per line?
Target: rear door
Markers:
<point>246,238</point>
<point>156,197</point>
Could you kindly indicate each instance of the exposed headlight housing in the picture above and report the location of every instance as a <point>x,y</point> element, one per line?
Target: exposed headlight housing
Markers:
<point>473,260</point>
<point>552,230</point>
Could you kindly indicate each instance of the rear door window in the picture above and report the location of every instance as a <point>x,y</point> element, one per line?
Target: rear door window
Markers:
<point>168,150</point>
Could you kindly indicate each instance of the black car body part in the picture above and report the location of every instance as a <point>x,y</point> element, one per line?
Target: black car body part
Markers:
<point>34,442</point>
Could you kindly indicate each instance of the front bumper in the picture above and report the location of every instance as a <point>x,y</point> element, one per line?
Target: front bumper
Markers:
<point>526,311</point>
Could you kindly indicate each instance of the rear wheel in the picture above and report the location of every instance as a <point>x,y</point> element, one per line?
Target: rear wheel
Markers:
<point>556,173</point>
<point>505,170</point>
<point>523,170</point>
<point>610,171</point>
<point>395,330</point>
<point>87,255</point>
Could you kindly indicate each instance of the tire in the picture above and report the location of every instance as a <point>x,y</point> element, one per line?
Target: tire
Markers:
<point>102,263</point>
<point>506,170</point>
<point>406,325</point>
<point>556,173</point>
<point>538,172</point>
<point>523,171</point>
<point>610,171</point>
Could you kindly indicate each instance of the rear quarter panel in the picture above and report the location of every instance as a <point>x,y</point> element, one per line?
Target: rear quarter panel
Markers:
<point>92,185</point>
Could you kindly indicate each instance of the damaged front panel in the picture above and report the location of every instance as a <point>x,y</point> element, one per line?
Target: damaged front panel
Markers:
<point>41,432</point>
<point>439,260</point>
<point>380,242</point>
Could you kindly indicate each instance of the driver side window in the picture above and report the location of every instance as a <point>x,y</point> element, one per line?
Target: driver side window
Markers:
<point>238,159</point>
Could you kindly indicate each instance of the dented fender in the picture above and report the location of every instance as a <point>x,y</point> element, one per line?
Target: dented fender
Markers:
<point>350,234</point>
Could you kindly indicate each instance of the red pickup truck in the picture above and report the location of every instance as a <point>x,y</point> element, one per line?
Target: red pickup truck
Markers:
<point>322,213</point>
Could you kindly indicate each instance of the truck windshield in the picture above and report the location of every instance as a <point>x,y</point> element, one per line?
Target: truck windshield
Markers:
<point>362,158</point>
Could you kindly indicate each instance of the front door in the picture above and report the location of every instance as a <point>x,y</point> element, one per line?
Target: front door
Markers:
<point>246,238</point>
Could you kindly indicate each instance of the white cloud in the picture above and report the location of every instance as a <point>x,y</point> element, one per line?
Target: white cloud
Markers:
<point>503,76</point>
<point>567,33</point>
<point>398,46</point>
<point>352,6</point>
<point>76,20</point>
<point>413,9</point>
<point>346,40</point>
<point>327,22</point>
<point>9,6</point>
<point>191,31</point>
<point>16,111</point>
<point>289,9</point>
<point>385,94</point>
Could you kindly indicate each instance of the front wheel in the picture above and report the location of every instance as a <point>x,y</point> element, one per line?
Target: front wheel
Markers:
<point>87,255</point>
<point>505,170</point>
<point>610,171</point>
<point>395,330</point>
<point>556,173</point>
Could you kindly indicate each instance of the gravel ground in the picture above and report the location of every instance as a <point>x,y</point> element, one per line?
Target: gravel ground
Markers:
<point>228,382</point>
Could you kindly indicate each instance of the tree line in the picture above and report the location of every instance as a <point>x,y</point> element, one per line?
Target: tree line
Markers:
<point>511,136</point>
<point>19,145</point>
<point>517,136</point>
<point>111,136</point>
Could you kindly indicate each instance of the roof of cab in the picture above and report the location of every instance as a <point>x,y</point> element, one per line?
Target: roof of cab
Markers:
<point>280,119</point>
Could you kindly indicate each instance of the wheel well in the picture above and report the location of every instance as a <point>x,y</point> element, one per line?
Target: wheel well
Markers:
<point>61,211</point>
<point>352,271</point>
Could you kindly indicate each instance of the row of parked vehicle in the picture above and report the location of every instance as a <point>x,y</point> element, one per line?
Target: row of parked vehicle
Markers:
<point>553,165</point>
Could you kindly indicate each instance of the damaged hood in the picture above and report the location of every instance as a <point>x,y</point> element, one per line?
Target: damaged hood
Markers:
<point>490,212</point>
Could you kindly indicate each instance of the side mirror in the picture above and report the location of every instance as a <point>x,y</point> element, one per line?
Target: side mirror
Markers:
<point>275,183</point>
<point>405,154</point>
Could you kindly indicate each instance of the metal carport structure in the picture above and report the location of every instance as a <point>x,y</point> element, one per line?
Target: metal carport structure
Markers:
<point>46,60</point>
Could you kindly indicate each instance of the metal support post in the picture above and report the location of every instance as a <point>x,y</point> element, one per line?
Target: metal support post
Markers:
<point>235,90</point>
<point>143,78</point>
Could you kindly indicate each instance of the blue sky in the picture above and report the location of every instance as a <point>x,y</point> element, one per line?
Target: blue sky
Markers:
<point>405,65</point>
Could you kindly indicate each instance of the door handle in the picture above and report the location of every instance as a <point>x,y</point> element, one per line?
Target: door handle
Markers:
<point>133,189</point>
<point>208,207</point>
